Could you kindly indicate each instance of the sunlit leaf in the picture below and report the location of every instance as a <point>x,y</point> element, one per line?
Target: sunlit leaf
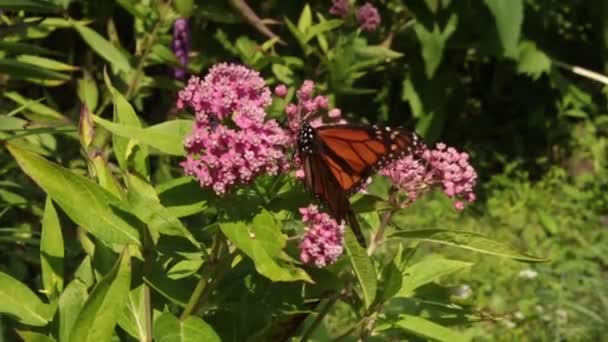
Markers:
<point>168,328</point>
<point>20,303</point>
<point>363,267</point>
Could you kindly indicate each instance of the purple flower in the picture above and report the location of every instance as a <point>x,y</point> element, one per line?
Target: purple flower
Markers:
<point>322,244</point>
<point>339,7</point>
<point>181,46</point>
<point>308,107</point>
<point>444,166</point>
<point>231,142</point>
<point>280,90</point>
<point>368,17</point>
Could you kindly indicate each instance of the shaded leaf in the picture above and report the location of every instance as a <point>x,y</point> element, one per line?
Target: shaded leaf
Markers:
<point>426,271</point>
<point>363,267</point>
<point>509,16</point>
<point>51,252</point>
<point>168,328</point>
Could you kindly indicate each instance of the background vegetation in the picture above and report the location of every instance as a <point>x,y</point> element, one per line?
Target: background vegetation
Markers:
<point>518,84</point>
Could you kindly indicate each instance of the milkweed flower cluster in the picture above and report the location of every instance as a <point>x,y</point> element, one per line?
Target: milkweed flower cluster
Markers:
<point>310,107</point>
<point>231,142</point>
<point>443,166</point>
<point>181,46</point>
<point>368,17</point>
<point>339,8</point>
<point>322,244</point>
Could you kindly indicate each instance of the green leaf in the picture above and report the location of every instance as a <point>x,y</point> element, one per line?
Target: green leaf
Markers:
<point>305,20</point>
<point>102,47</point>
<point>123,147</point>
<point>509,16</point>
<point>106,178</point>
<point>263,242</point>
<point>429,330</point>
<point>37,6</point>
<point>101,216</point>
<point>46,63</point>
<point>133,318</point>
<point>30,336</point>
<point>363,267</point>
<point>147,207</point>
<point>532,61</point>
<point>18,47</point>
<point>87,90</point>
<point>426,271</point>
<point>70,303</point>
<point>467,240</point>
<point>51,252</point>
<point>168,328</point>
<point>183,196</point>
<point>104,306</point>
<point>28,72</point>
<point>20,303</point>
<point>35,106</point>
<point>433,43</point>
<point>320,28</point>
<point>375,52</point>
<point>166,137</point>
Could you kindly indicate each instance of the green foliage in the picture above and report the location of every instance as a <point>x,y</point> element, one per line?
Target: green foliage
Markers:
<point>103,238</point>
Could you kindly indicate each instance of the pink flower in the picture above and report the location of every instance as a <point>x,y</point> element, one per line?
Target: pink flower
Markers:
<point>368,17</point>
<point>280,90</point>
<point>310,107</point>
<point>339,7</point>
<point>231,142</point>
<point>181,46</point>
<point>322,244</point>
<point>443,166</point>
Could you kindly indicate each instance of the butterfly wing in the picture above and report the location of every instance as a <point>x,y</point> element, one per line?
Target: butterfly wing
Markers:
<point>354,152</point>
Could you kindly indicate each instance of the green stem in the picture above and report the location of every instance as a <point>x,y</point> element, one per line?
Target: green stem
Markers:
<point>386,219</point>
<point>313,326</point>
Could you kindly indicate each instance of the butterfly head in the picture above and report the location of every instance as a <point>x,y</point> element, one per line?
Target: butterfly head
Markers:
<point>306,136</point>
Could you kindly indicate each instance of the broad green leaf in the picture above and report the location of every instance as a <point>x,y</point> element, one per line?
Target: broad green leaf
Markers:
<point>147,207</point>
<point>103,47</point>
<point>86,203</point>
<point>124,148</point>
<point>51,252</point>
<point>166,137</point>
<point>46,63</point>
<point>87,91</point>
<point>133,318</point>
<point>263,242</point>
<point>104,306</point>
<point>70,303</point>
<point>426,271</point>
<point>168,328</point>
<point>20,303</point>
<point>428,329</point>
<point>183,196</point>
<point>28,72</point>
<point>30,336</point>
<point>363,267</point>
<point>467,240</point>
<point>433,43</point>
<point>36,6</point>
<point>35,106</point>
<point>532,61</point>
<point>509,16</point>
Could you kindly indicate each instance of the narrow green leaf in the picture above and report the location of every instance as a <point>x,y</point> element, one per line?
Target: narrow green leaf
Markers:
<point>20,303</point>
<point>426,271</point>
<point>105,177</point>
<point>133,318</point>
<point>103,47</point>
<point>101,216</point>
<point>87,91</point>
<point>147,207</point>
<point>51,252</point>
<point>166,137</point>
<point>34,106</point>
<point>36,6</point>
<point>430,330</point>
<point>305,20</point>
<point>18,47</point>
<point>30,336</point>
<point>46,63</point>
<point>433,43</point>
<point>509,16</point>
<point>168,328</point>
<point>363,267</point>
<point>263,242</point>
<point>70,303</point>
<point>321,28</point>
<point>467,240</point>
<point>28,72</point>
<point>104,306</point>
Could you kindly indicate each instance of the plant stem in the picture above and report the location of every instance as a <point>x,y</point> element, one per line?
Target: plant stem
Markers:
<point>313,326</point>
<point>379,235</point>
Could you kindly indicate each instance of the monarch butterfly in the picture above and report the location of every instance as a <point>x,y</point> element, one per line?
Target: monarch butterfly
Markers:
<point>339,158</point>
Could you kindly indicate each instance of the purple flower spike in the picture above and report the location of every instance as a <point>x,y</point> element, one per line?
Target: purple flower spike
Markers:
<point>181,46</point>
<point>231,142</point>
<point>368,17</point>
<point>339,7</point>
<point>322,244</point>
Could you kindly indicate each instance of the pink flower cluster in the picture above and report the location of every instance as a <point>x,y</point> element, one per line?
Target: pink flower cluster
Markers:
<point>322,244</point>
<point>310,108</point>
<point>367,15</point>
<point>231,142</point>
<point>443,166</point>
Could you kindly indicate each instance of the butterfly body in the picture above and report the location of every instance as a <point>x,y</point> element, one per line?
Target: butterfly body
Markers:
<point>338,159</point>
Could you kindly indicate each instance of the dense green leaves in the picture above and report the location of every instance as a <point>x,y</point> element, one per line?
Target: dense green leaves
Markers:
<point>21,303</point>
